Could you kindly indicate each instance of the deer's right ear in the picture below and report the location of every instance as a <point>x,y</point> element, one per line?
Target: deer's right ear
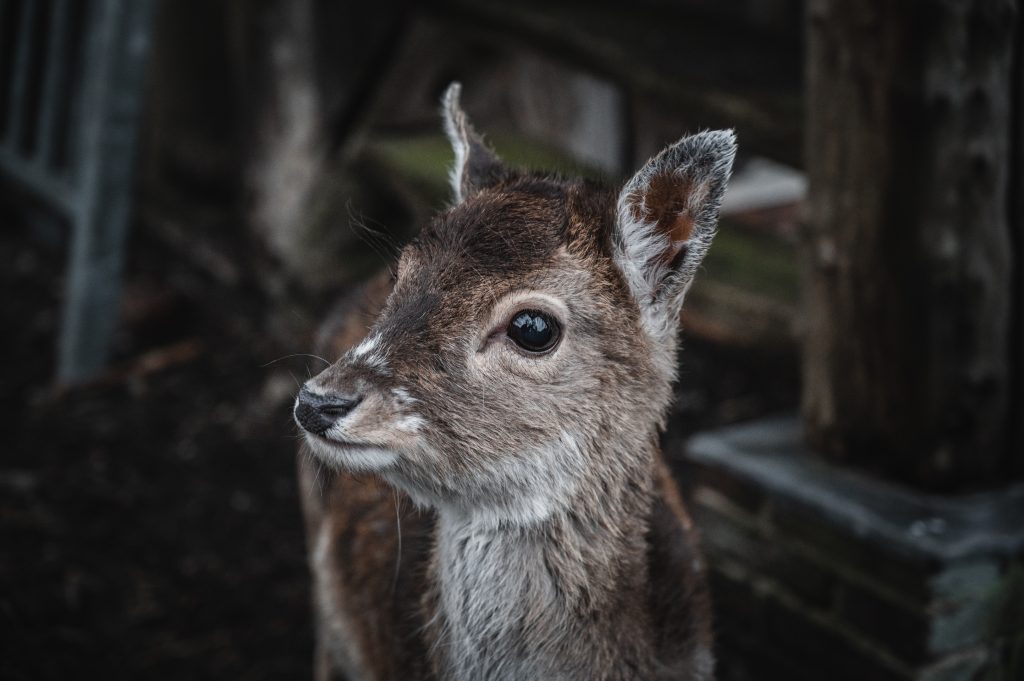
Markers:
<point>476,166</point>
<point>667,215</point>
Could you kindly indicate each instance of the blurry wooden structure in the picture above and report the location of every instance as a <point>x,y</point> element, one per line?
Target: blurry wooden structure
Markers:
<point>694,57</point>
<point>71,87</point>
<point>913,248</point>
<point>882,535</point>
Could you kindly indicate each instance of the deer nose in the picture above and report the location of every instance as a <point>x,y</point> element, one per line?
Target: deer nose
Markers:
<point>317,413</point>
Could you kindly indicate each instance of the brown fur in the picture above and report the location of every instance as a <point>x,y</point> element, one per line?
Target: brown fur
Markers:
<point>380,546</point>
<point>515,518</point>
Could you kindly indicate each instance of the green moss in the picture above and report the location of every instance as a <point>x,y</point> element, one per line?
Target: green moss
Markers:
<point>423,161</point>
<point>755,262</point>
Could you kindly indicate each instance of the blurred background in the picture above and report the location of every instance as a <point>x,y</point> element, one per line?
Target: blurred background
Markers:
<point>186,188</point>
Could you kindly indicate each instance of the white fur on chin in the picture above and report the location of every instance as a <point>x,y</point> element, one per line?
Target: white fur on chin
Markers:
<point>362,459</point>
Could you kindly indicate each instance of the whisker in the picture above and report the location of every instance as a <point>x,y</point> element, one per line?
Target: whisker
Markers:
<point>380,234</point>
<point>295,354</point>
<point>377,240</point>
<point>320,483</point>
<point>398,526</point>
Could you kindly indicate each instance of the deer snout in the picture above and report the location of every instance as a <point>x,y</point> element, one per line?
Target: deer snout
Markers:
<point>318,412</point>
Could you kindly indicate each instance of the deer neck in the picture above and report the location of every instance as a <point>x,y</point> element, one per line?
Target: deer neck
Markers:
<point>554,598</point>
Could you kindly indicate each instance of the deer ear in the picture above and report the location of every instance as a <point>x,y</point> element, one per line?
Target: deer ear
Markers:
<point>476,166</point>
<point>667,215</point>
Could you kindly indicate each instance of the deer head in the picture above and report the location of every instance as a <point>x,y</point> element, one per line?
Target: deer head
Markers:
<point>527,349</point>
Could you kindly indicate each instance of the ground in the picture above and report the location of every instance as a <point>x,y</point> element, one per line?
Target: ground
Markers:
<point>149,521</point>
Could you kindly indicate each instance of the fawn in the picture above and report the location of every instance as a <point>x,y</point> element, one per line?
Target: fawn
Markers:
<point>510,382</point>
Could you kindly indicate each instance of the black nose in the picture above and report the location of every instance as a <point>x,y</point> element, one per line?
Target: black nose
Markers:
<point>317,413</point>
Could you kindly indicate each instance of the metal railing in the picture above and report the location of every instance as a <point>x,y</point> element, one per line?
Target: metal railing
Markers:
<point>71,76</point>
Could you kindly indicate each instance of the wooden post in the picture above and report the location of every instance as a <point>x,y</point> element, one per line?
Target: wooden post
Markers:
<point>908,251</point>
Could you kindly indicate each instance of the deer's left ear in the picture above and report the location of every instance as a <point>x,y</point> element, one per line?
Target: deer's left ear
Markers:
<point>667,215</point>
<point>476,166</point>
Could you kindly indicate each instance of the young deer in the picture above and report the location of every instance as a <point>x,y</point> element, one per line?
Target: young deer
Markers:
<point>512,384</point>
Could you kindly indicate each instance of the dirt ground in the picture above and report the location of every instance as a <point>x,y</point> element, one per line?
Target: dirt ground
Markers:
<point>149,522</point>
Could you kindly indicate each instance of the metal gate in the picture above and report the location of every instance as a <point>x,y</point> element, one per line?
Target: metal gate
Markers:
<point>71,75</point>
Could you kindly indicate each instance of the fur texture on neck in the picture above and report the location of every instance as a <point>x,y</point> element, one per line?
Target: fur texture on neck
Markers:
<point>563,598</point>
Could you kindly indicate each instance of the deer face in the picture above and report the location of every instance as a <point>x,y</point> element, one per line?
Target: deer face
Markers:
<point>529,326</point>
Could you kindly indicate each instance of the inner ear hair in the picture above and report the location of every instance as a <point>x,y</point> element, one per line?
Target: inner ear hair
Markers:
<point>669,203</point>
<point>668,213</point>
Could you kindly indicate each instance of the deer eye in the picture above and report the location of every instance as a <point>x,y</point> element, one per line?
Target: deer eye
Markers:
<point>533,330</point>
